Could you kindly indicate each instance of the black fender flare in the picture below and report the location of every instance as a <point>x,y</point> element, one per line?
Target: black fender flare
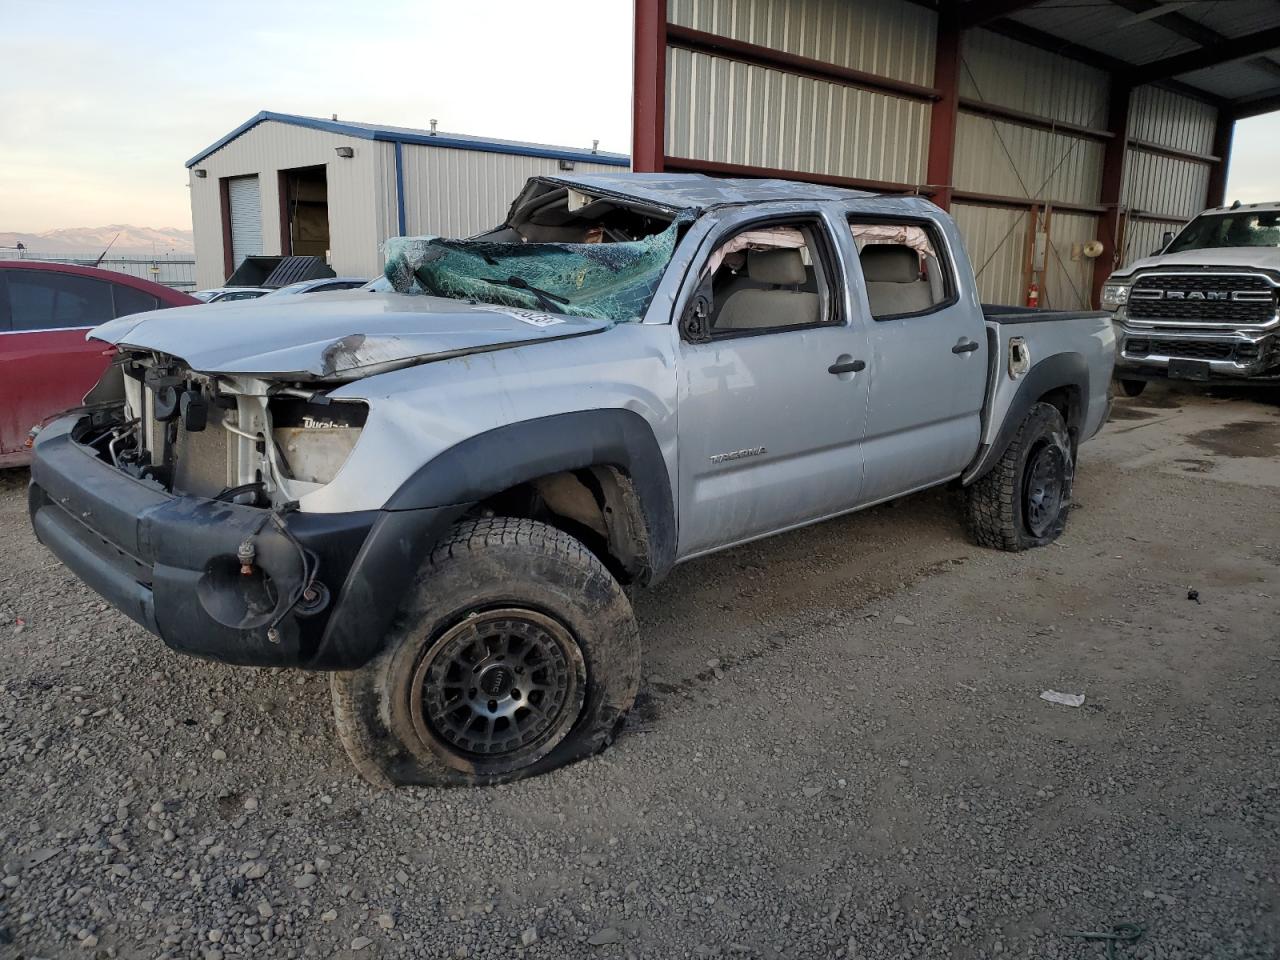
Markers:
<point>498,459</point>
<point>1069,370</point>
<point>421,511</point>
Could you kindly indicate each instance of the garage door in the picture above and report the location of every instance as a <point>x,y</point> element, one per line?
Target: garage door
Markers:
<point>246,218</point>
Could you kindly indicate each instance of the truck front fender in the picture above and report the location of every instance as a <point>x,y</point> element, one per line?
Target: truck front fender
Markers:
<point>1064,377</point>
<point>499,459</point>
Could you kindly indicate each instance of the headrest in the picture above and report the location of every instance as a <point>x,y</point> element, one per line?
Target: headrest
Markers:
<point>889,263</point>
<point>781,267</point>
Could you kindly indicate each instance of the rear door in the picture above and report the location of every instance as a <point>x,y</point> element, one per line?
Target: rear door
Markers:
<point>928,355</point>
<point>46,365</point>
<point>771,408</point>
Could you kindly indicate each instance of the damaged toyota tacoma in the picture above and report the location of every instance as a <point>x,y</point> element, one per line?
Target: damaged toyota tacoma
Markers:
<point>436,493</point>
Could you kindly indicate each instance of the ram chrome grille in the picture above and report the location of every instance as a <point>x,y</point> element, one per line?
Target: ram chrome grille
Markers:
<point>1210,299</point>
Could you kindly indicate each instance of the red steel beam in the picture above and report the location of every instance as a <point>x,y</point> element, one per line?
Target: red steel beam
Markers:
<point>940,165</point>
<point>1113,157</point>
<point>1022,118</point>
<point>649,101</point>
<point>1224,132</point>
<point>719,169</point>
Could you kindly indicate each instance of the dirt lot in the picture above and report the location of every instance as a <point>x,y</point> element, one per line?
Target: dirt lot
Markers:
<point>840,752</point>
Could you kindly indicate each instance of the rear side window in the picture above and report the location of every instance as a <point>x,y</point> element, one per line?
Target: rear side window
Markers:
<point>904,268</point>
<point>128,300</point>
<point>49,301</point>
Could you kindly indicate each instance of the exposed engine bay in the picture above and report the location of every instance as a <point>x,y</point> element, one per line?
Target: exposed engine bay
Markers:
<point>238,439</point>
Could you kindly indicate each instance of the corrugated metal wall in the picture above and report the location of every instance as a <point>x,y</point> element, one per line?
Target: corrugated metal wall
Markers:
<point>886,37</point>
<point>1165,185</point>
<point>457,193</point>
<point>1011,160</point>
<point>996,239</point>
<point>768,118</point>
<point>1068,274</point>
<point>725,111</point>
<point>268,148</point>
<point>1143,237</point>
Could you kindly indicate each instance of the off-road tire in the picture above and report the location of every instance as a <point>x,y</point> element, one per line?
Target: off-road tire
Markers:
<point>1133,388</point>
<point>484,566</point>
<point>997,502</point>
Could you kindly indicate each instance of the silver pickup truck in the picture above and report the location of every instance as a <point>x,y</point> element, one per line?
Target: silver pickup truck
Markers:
<point>1206,305</point>
<point>437,494</point>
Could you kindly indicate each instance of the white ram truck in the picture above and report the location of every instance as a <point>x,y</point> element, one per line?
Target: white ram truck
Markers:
<point>1204,306</point>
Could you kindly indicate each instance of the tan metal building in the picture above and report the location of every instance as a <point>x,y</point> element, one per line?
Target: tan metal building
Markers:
<point>1040,126</point>
<point>281,183</point>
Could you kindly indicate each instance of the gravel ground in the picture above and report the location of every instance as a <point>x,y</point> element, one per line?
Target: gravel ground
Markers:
<point>840,751</point>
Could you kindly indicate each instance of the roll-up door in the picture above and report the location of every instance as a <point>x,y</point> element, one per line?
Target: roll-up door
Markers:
<point>246,218</point>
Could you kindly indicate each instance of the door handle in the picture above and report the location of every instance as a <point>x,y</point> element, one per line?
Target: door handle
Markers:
<point>847,366</point>
<point>965,346</point>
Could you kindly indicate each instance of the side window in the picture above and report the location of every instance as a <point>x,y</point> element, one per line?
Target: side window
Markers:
<point>129,300</point>
<point>904,268</point>
<point>771,277</point>
<point>41,300</point>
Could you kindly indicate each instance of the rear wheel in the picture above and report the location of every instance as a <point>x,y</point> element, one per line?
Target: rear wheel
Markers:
<point>1133,388</point>
<point>516,653</point>
<point>1023,501</point>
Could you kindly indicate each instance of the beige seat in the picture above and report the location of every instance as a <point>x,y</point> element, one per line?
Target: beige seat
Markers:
<point>754,309</point>
<point>894,284</point>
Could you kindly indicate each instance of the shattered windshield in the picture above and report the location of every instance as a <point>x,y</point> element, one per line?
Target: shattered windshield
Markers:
<point>1260,229</point>
<point>611,281</point>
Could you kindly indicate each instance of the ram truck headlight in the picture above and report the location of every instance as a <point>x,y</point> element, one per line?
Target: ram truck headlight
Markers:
<point>313,440</point>
<point>1114,295</point>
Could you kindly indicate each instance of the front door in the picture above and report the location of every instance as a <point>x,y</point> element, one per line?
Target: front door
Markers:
<point>771,408</point>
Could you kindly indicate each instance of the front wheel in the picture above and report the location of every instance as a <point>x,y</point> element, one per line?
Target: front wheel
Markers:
<point>514,653</point>
<point>1133,388</point>
<point>1023,501</point>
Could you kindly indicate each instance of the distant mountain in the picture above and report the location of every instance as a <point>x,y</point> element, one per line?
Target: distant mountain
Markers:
<point>80,241</point>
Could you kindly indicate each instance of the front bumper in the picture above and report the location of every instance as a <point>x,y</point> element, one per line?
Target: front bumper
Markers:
<point>1226,356</point>
<point>170,562</point>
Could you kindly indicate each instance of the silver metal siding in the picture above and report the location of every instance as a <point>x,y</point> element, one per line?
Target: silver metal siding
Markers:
<point>1000,70</point>
<point>458,193</point>
<point>1171,120</point>
<point>1175,188</point>
<point>995,238</point>
<point>887,37</point>
<point>1068,283</point>
<point>1008,159</point>
<point>725,111</point>
<point>1142,238</point>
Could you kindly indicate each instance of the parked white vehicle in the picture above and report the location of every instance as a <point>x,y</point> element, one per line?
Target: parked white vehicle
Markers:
<point>1204,306</point>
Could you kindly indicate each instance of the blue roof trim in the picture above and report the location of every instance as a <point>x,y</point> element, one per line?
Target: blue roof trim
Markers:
<point>424,139</point>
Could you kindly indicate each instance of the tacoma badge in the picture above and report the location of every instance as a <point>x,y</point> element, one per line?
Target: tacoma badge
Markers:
<point>737,454</point>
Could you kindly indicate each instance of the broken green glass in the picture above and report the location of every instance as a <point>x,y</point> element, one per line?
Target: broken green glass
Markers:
<point>605,281</point>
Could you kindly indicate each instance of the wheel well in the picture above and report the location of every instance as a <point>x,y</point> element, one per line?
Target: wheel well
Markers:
<point>1069,402</point>
<point>597,505</point>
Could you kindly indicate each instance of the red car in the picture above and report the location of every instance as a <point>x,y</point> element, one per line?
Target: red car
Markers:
<point>46,365</point>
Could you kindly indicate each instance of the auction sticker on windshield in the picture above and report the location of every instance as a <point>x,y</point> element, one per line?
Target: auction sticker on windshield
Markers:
<point>531,317</point>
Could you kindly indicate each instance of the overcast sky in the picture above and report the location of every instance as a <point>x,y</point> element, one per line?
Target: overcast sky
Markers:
<point>101,103</point>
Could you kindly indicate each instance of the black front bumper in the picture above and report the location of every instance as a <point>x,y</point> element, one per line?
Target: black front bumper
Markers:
<point>170,562</point>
